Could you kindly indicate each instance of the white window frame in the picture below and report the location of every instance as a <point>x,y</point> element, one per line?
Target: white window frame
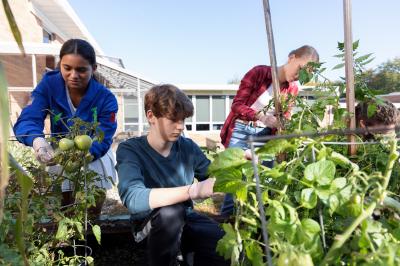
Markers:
<point>123,111</point>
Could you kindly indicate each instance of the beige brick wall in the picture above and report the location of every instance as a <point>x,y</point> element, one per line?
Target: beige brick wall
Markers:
<point>18,70</point>
<point>28,25</point>
<point>18,100</point>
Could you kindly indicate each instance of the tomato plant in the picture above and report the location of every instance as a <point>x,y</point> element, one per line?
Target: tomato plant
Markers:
<point>321,206</point>
<point>36,224</point>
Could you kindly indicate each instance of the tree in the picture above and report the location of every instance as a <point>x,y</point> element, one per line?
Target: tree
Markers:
<point>386,78</point>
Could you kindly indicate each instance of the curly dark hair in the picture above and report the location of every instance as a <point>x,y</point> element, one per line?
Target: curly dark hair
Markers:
<point>385,113</point>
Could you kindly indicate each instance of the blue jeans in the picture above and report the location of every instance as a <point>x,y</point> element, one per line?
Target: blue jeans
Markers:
<point>241,133</point>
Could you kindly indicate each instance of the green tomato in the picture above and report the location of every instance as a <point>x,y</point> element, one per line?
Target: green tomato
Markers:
<point>83,142</point>
<point>284,260</point>
<point>354,209</point>
<point>292,258</point>
<point>65,144</point>
<point>304,260</point>
<point>355,199</point>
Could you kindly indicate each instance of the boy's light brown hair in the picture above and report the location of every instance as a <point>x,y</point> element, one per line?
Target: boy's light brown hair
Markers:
<point>168,101</point>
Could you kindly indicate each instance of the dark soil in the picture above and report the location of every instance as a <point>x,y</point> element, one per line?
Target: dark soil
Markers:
<point>117,249</point>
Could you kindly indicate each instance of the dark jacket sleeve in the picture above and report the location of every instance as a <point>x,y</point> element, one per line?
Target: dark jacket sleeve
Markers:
<point>107,119</point>
<point>31,120</point>
<point>134,195</point>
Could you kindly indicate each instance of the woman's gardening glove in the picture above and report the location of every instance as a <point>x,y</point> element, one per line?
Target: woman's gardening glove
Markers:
<point>43,151</point>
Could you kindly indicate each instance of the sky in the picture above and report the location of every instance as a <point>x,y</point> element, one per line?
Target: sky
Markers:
<point>215,41</point>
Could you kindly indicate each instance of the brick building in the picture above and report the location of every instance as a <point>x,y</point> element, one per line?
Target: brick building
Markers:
<point>45,25</point>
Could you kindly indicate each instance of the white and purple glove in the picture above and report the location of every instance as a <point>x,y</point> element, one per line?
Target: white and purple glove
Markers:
<point>202,190</point>
<point>268,120</point>
<point>43,151</point>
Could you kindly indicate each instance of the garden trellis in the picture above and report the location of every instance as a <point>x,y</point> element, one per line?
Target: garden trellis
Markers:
<point>350,102</point>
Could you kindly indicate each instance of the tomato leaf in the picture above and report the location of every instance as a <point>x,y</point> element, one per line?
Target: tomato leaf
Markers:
<point>231,157</point>
<point>308,198</point>
<point>322,172</point>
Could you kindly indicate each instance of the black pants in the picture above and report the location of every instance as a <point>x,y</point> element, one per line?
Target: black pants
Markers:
<point>173,231</point>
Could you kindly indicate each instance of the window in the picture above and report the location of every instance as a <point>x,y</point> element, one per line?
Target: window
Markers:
<point>189,119</point>
<point>202,127</point>
<point>230,101</point>
<point>217,126</point>
<point>131,113</point>
<point>218,106</point>
<point>47,36</point>
<point>203,109</point>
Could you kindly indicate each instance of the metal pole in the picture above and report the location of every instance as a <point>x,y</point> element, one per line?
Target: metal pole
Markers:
<point>264,223</point>
<point>274,67</point>
<point>348,44</point>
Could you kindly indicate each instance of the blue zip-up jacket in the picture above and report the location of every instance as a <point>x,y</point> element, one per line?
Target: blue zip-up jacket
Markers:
<point>51,94</point>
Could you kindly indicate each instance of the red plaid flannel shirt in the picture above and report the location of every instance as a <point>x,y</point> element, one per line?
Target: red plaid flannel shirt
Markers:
<point>253,84</point>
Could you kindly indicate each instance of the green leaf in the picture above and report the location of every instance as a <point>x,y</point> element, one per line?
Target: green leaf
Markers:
<point>341,46</point>
<point>228,180</point>
<point>57,118</point>
<point>4,134</point>
<point>371,110</point>
<point>363,58</point>
<point>228,245</point>
<point>308,198</point>
<point>276,146</point>
<point>241,193</point>
<point>338,183</point>
<point>62,230</point>
<point>322,172</point>
<point>97,233</point>
<point>333,203</point>
<point>356,44</point>
<point>231,157</point>
<point>338,66</point>
<point>396,233</point>
<point>276,210</point>
<point>310,227</point>
<point>254,253</point>
<point>89,260</point>
<point>13,25</point>
<point>304,76</point>
<point>94,111</point>
<point>323,194</point>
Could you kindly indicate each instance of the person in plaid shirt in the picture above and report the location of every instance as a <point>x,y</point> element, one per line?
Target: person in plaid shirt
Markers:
<point>255,92</point>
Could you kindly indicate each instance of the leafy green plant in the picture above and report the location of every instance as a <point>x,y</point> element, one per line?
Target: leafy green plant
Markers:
<point>321,206</point>
<point>36,226</point>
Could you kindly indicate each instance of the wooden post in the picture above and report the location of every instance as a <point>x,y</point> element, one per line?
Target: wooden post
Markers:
<point>272,56</point>
<point>349,68</point>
